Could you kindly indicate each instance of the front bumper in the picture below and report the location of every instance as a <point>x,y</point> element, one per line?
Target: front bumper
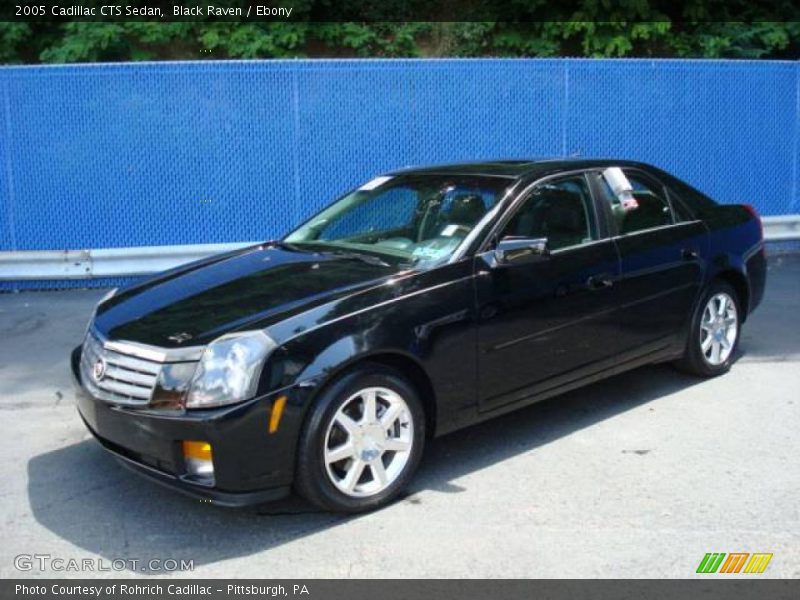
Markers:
<point>251,465</point>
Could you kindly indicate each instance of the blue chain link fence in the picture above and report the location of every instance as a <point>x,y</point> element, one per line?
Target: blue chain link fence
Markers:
<point>95,156</point>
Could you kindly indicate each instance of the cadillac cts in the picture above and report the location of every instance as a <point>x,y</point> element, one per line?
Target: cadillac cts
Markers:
<point>422,302</point>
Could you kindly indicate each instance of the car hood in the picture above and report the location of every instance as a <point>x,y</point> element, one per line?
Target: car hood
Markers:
<point>250,288</point>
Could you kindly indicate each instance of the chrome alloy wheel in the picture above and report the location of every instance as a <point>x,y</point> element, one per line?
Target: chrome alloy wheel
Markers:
<point>718,329</point>
<point>368,442</point>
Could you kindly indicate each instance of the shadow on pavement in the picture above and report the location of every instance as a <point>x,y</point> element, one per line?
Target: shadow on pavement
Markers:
<point>83,496</point>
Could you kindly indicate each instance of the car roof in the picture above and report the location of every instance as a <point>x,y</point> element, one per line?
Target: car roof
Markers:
<point>517,169</point>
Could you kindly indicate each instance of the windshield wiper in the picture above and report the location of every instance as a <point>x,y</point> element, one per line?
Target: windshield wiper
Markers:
<point>362,256</point>
<point>323,248</point>
<point>288,246</point>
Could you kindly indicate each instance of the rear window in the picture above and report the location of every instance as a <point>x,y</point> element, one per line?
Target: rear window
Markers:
<point>698,203</point>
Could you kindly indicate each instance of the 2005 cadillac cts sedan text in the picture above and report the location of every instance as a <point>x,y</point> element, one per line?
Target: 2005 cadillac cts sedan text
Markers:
<point>424,301</point>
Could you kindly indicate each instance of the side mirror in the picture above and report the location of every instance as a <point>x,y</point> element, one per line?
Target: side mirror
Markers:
<point>514,250</point>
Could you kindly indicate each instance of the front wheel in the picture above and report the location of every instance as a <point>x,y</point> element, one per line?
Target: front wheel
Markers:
<point>714,333</point>
<point>361,442</point>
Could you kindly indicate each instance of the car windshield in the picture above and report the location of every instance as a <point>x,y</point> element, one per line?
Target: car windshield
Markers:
<point>417,219</point>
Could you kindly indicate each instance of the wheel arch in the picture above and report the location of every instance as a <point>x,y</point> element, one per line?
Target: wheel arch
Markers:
<point>401,362</point>
<point>738,282</point>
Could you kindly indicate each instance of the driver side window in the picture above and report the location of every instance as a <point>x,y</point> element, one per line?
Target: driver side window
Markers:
<point>559,210</point>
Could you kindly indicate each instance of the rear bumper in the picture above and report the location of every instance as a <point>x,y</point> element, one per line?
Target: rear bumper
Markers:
<point>251,465</point>
<point>756,268</point>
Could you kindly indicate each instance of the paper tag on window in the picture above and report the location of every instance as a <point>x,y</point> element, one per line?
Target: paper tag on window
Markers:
<point>373,183</point>
<point>428,252</point>
<point>629,202</point>
<point>450,230</point>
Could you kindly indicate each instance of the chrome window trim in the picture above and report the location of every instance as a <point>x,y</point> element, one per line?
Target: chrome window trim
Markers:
<point>582,245</point>
<point>151,353</point>
<point>651,229</point>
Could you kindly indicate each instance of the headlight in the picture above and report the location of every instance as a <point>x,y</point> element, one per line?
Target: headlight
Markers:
<point>110,294</point>
<point>229,369</point>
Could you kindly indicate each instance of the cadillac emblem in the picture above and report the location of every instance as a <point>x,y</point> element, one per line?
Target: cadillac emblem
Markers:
<point>99,370</point>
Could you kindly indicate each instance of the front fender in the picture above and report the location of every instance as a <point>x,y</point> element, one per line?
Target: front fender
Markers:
<point>427,319</point>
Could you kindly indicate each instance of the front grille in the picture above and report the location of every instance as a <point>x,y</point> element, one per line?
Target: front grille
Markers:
<point>126,380</point>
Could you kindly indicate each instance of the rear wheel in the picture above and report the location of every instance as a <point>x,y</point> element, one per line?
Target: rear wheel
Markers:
<point>362,441</point>
<point>714,333</point>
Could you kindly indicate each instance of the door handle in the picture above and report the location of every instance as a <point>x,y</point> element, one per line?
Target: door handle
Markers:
<point>689,254</point>
<point>599,282</point>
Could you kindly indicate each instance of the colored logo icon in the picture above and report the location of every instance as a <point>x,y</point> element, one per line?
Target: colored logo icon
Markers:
<point>736,562</point>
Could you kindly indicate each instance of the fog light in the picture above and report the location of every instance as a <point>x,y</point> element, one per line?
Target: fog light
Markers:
<point>198,460</point>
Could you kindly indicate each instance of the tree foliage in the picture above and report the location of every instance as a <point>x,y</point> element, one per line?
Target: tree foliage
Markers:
<point>596,28</point>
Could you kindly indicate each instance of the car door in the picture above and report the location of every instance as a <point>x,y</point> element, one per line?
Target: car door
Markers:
<point>661,258</point>
<point>549,319</point>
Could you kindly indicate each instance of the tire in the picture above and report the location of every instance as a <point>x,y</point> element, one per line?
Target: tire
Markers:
<point>337,422</point>
<point>706,337</point>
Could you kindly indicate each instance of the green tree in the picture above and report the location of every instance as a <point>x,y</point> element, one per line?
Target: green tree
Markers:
<point>596,28</point>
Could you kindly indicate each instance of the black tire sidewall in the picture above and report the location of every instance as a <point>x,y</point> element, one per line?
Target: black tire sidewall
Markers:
<point>311,479</point>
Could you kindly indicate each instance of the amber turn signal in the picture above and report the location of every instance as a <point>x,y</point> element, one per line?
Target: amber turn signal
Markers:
<point>198,459</point>
<point>197,450</point>
<point>277,412</point>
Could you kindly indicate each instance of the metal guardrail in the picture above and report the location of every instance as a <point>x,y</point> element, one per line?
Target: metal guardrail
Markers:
<point>105,262</point>
<point>130,262</point>
<point>781,229</point>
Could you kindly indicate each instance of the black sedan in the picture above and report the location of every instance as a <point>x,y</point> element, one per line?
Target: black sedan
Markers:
<point>424,301</point>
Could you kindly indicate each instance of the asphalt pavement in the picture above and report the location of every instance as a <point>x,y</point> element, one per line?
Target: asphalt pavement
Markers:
<point>637,476</point>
